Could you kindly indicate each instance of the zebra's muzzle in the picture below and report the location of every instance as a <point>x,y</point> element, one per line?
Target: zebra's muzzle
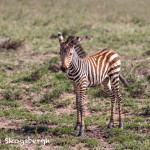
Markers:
<point>63,69</point>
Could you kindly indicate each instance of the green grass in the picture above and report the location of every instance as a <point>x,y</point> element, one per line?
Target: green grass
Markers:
<point>34,91</point>
<point>5,146</point>
<point>16,113</point>
<point>5,134</point>
<point>129,140</point>
<point>62,130</point>
<point>91,143</point>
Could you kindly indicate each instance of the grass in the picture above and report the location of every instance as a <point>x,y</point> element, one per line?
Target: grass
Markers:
<point>16,113</point>
<point>129,140</point>
<point>10,147</point>
<point>35,91</point>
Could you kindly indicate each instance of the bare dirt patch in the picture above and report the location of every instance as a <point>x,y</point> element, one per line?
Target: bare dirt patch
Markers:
<point>34,57</point>
<point>70,109</point>
<point>25,58</point>
<point>44,147</point>
<point>31,108</point>
<point>8,43</point>
<point>6,123</point>
<point>98,133</point>
<point>80,146</point>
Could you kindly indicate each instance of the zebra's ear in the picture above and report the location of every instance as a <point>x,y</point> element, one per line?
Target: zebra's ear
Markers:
<point>79,38</point>
<point>60,37</point>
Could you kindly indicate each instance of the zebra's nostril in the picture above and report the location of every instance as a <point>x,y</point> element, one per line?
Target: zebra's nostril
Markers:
<point>63,69</point>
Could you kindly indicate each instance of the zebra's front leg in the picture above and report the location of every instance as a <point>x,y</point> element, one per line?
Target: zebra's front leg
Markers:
<point>77,126</point>
<point>81,111</point>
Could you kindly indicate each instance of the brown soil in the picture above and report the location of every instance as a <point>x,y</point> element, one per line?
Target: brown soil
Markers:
<point>6,123</point>
<point>24,58</point>
<point>91,131</point>
<point>97,132</point>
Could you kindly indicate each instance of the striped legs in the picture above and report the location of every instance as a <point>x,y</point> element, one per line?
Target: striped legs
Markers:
<point>80,99</point>
<point>119,98</point>
<point>107,88</point>
<point>77,126</point>
<point>112,97</point>
<point>115,85</point>
<point>81,111</point>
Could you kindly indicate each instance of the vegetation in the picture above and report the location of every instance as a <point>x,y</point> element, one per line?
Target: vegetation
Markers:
<point>37,99</point>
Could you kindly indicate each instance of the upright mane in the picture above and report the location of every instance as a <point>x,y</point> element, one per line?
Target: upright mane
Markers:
<point>72,41</point>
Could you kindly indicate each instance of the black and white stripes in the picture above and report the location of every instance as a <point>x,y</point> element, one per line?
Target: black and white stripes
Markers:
<point>102,68</point>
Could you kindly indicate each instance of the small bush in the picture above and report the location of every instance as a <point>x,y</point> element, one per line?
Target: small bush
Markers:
<point>90,142</point>
<point>8,43</point>
<point>11,94</point>
<point>63,103</point>
<point>146,110</point>
<point>54,64</point>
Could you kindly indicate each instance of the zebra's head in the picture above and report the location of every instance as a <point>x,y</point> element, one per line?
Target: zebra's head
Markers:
<point>67,50</point>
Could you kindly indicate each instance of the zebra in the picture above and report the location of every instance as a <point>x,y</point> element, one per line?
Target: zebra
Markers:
<point>81,53</point>
<point>102,68</point>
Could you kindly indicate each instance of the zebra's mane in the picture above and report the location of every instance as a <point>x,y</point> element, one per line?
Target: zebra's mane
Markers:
<point>72,41</point>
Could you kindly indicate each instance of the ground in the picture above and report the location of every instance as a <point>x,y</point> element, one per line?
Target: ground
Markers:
<point>37,100</point>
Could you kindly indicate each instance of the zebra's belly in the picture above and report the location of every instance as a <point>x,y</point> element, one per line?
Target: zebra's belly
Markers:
<point>93,83</point>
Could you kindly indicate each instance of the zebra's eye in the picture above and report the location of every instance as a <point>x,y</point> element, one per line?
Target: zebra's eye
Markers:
<point>70,53</point>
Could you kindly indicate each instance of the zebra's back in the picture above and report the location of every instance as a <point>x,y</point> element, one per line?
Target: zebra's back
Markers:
<point>101,65</point>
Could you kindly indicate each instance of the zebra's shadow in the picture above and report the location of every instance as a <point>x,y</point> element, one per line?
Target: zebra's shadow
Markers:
<point>54,131</point>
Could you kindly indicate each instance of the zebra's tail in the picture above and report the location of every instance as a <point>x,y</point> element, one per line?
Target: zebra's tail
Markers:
<point>124,81</point>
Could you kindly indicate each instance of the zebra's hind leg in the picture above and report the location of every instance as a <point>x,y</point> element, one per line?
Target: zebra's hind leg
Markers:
<point>112,97</point>
<point>115,84</point>
<point>119,98</point>
<point>107,88</point>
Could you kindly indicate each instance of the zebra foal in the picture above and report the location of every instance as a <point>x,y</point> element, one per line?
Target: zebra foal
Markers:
<point>102,68</point>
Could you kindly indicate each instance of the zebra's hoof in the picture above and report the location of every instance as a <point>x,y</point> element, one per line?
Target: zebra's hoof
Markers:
<point>77,127</point>
<point>120,126</point>
<point>81,134</point>
<point>110,125</point>
<point>81,131</point>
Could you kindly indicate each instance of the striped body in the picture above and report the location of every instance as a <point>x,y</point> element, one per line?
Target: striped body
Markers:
<point>95,68</point>
<point>102,68</point>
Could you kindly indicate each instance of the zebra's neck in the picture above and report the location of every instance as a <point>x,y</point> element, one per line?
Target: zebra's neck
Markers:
<point>75,63</point>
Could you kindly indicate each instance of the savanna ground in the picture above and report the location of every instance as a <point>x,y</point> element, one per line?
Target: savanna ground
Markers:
<point>37,100</point>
